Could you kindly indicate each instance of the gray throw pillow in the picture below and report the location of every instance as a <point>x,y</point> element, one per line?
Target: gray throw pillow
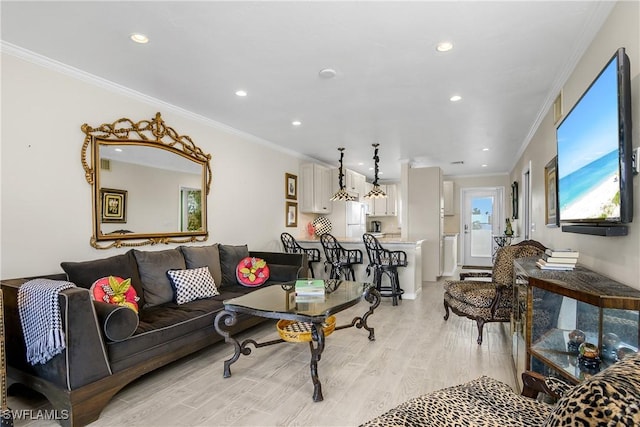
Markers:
<point>153,267</point>
<point>84,273</point>
<point>230,256</point>
<point>204,256</point>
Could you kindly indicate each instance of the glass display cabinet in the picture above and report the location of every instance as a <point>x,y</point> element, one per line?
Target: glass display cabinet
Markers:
<point>572,323</point>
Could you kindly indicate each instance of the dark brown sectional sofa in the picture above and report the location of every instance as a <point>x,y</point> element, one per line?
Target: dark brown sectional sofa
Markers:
<point>108,346</point>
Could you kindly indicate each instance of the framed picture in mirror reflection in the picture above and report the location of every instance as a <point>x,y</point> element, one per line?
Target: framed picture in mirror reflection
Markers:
<point>114,205</point>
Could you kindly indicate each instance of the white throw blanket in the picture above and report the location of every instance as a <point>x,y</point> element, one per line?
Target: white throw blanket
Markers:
<point>40,318</point>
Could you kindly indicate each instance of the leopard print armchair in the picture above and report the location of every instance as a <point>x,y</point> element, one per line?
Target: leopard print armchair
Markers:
<point>609,398</point>
<point>488,301</point>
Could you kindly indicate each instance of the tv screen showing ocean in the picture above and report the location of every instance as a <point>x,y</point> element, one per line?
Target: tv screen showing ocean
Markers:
<point>586,185</point>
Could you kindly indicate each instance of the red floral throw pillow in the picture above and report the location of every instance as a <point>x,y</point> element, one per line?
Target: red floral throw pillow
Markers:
<point>252,271</point>
<point>115,290</point>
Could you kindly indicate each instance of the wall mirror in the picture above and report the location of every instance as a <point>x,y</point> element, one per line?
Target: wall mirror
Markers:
<point>149,184</point>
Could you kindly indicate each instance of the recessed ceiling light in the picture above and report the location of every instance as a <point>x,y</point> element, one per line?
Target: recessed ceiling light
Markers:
<point>444,46</point>
<point>455,98</point>
<point>371,169</point>
<point>119,150</point>
<point>241,92</point>
<point>485,149</point>
<point>296,122</point>
<point>484,166</point>
<point>327,73</point>
<point>360,163</point>
<point>139,38</point>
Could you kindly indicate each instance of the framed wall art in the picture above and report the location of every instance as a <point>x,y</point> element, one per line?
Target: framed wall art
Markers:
<point>291,186</point>
<point>291,214</point>
<point>551,193</point>
<point>114,205</point>
<point>514,200</point>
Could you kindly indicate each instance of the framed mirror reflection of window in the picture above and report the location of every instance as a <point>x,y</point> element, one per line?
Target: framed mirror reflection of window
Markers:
<point>162,180</point>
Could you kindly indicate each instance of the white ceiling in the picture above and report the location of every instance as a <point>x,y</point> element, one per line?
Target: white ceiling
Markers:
<point>392,87</point>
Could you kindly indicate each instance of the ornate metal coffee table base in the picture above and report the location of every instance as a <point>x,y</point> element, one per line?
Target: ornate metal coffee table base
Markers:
<point>229,318</point>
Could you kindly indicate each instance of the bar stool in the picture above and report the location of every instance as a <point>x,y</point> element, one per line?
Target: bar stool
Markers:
<point>340,259</point>
<point>383,261</point>
<point>291,246</point>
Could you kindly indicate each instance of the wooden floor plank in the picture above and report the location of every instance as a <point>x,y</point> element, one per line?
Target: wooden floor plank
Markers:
<point>415,351</point>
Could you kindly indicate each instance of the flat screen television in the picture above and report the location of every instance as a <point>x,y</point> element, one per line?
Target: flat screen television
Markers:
<point>594,170</point>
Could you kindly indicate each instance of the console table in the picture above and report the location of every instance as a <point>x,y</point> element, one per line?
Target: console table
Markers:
<point>556,311</point>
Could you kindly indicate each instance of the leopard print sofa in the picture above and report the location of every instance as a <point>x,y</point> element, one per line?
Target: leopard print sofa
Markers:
<point>609,398</point>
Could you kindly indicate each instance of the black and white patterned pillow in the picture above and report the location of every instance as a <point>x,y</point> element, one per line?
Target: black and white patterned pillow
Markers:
<point>192,284</point>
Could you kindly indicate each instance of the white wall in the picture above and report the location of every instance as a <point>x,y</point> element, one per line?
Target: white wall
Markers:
<point>153,196</point>
<point>616,257</point>
<point>46,201</point>
<point>452,222</point>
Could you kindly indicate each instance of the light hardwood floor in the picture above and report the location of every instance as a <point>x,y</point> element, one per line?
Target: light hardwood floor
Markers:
<point>415,352</point>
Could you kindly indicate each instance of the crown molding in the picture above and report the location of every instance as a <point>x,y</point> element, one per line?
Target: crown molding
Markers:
<point>597,19</point>
<point>62,68</point>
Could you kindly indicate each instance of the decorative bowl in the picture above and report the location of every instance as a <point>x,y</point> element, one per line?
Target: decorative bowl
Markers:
<point>588,350</point>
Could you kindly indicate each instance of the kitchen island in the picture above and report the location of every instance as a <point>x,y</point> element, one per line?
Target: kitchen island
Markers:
<point>410,276</point>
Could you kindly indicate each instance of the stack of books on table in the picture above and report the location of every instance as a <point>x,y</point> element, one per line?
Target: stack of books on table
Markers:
<point>309,290</point>
<point>558,259</point>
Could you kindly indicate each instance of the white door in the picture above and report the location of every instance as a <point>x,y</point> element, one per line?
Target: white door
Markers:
<point>481,219</point>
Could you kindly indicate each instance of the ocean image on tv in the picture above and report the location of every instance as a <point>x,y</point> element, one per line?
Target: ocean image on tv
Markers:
<point>588,157</point>
<point>592,191</point>
<point>588,168</point>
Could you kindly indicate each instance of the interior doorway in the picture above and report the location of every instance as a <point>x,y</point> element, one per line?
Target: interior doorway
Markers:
<point>481,219</point>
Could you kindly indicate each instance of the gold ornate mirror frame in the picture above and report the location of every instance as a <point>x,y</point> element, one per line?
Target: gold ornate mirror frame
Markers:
<point>162,179</point>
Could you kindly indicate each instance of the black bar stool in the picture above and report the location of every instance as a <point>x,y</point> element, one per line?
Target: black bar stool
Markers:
<point>383,261</point>
<point>340,259</point>
<point>291,246</point>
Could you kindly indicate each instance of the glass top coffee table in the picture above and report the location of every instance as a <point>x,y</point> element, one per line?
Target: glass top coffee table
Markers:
<point>280,302</point>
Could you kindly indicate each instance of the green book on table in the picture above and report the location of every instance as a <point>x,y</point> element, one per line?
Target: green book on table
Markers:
<point>310,287</point>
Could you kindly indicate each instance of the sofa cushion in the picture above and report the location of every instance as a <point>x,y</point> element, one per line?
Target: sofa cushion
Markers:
<point>163,323</point>
<point>279,273</point>
<point>153,267</point>
<point>115,290</point>
<point>84,273</point>
<point>252,271</point>
<point>201,256</point>
<point>192,284</point>
<point>609,398</point>
<point>118,322</point>
<point>230,256</point>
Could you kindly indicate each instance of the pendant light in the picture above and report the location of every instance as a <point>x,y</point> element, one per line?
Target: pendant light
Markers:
<point>341,194</point>
<point>376,192</point>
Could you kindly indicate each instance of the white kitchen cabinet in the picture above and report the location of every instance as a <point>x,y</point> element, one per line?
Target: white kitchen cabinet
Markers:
<point>387,206</point>
<point>315,189</point>
<point>447,188</point>
<point>392,199</point>
<point>355,183</point>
